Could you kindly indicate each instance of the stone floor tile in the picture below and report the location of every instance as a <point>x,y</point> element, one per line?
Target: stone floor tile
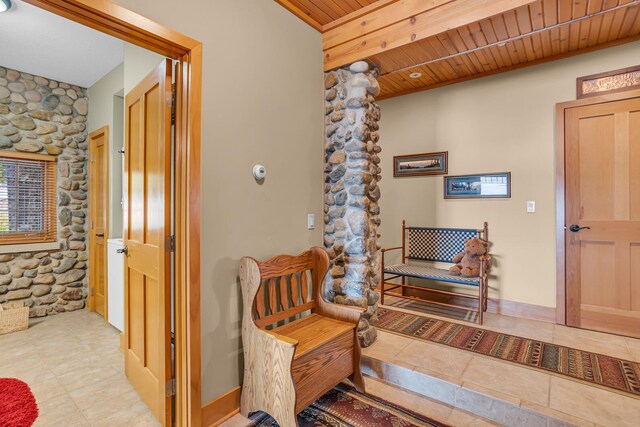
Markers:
<point>74,367</point>
<point>435,357</point>
<point>460,418</point>
<point>236,421</point>
<point>594,404</point>
<point>633,344</point>
<point>387,346</point>
<point>596,342</point>
<point>409,400</point>
<point>520,382</point>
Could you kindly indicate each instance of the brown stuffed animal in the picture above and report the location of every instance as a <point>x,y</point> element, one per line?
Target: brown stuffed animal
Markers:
<point>468,262</point>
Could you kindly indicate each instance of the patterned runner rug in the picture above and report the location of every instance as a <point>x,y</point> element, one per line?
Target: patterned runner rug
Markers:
<point>343,406</point>
<point>598,369</point>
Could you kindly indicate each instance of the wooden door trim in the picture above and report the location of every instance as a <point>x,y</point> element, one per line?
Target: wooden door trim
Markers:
<point>126,25</point>
<point>92,271</point>
<point>561,291</point>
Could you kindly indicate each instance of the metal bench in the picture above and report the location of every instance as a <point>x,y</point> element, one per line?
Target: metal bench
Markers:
<point>435,245</point>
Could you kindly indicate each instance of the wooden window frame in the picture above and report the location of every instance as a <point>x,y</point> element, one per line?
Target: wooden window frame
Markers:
<point>117,21</point>
<point>51,233</point>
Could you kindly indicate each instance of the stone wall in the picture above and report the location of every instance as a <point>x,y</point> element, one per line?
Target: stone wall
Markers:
<point>38,115</point>
<point>351,191</point>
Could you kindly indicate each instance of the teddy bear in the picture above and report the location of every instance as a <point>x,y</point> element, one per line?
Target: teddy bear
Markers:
<point>468,262</point>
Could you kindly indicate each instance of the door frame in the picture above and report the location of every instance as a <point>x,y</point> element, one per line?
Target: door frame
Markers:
<point>561,290</point>
<point>128,26</point>
<point>92,270</point>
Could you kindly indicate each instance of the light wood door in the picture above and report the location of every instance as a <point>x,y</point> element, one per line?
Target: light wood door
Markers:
<point>147,228</point>
<point>98,219</point>
<point>602,163</point>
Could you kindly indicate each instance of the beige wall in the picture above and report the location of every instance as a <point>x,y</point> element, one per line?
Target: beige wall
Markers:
<point>262,103</point>
<point>101,113</point>
<point>138,62</point>
<point>499,123</point>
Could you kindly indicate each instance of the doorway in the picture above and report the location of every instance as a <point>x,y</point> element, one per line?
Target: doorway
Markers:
<point>98,219</point>
<point>130,27</point>
<point>599,146</point>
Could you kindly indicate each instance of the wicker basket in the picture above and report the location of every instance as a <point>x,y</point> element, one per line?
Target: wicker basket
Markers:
<point>13,318</point>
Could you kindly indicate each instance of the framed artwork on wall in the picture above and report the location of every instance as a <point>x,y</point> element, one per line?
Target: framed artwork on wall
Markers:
<point>485,185</point>
<point>420,164</point>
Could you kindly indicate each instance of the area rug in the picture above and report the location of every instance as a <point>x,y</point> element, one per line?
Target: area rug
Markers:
<point>597,369</point>
<point>424,307</point>
<point>17,405</point>
<point>343,406</point>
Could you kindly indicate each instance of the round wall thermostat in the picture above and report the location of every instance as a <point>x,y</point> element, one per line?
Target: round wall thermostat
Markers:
<point>259,172</point>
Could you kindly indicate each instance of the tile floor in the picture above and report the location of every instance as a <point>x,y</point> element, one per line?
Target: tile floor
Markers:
<point>75,369</point>
<point>549,394</point>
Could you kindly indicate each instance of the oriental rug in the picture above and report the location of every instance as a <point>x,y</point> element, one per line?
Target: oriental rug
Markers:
<point>596,369</point>
<point>343,406</point>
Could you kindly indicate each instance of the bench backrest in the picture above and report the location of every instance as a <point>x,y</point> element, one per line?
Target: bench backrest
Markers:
<point>437,244</point>
<point>290,285</point>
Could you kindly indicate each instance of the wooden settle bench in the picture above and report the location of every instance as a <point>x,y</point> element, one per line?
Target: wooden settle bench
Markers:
<point>430,244</point>
<point>297,346</point>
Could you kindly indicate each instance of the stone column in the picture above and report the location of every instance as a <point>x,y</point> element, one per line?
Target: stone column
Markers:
<point>351,190</point>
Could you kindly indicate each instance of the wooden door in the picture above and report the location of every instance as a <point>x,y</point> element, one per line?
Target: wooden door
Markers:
<point>602,164</point>
<point>147,228</point>
<point>98,219</point>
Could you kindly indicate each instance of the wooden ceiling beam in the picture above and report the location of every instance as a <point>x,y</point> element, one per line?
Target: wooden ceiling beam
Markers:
<point>300,14</point>
<point>402,22</point>
<point>386,94</point>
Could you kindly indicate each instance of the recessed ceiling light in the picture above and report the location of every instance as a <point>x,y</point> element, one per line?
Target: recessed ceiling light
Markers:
<point>5,5</point>
<point>415,75</point>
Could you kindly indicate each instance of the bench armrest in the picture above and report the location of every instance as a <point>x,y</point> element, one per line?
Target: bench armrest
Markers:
<point>391,249</point>
<point>282,338</point>
<point>345,313</point>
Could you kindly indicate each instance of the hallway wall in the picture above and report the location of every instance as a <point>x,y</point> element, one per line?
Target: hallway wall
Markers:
<point>499,123</point>
<point>103,107</point>
<point>262,103</point>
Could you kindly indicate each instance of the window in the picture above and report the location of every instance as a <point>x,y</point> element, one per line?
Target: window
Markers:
<point>27,198</point>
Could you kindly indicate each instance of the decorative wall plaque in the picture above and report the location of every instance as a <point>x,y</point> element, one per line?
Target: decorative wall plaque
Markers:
<point>608,82</point>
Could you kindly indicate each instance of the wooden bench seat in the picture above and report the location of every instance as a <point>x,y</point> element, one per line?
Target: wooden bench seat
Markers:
<point>325,351</point>
<point>288,367</point>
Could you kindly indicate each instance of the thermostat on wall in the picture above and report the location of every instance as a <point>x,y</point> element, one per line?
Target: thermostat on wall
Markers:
<point>259,172</point>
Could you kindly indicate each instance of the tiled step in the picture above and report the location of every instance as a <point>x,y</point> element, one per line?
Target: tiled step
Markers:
<point>490,405</point>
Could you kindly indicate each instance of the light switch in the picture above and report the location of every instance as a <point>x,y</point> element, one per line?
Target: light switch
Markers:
<point>531,206</point>
<point>311,221</point>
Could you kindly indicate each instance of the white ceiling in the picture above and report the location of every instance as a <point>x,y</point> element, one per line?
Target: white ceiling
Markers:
<point>38,42</point>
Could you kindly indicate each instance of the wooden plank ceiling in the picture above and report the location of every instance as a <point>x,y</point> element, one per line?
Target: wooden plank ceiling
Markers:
<point>446,46</point>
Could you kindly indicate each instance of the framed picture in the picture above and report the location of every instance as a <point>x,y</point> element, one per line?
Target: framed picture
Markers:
<point>420,164</point>
<point>486,185</point>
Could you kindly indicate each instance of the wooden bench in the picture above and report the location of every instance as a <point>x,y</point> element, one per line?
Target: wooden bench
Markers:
<point>435,245</point>
<point>297,346</point>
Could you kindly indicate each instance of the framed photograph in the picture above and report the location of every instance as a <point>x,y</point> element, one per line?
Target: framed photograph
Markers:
<point>486,185</point>
<point>420,164</point>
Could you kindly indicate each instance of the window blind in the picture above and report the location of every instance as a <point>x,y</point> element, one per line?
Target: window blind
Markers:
<point>27,198</point>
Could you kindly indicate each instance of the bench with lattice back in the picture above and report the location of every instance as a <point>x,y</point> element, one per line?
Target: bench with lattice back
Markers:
<point>431,244</point>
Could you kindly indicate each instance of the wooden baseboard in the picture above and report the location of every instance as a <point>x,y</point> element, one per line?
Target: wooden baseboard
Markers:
<point>221,409</point>
<point>496,305</point>
<point>521,309</point>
